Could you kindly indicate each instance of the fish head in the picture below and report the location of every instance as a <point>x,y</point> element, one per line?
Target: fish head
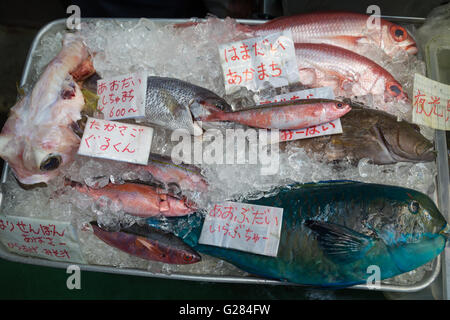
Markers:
<point>334,108</point>
<point>37,146</point>
<point>208,103</point>
<point>394,91</point>
<point>187,256</point>
<point>396,38</point>
<point>417,233</point>
<point>405,142</point>
<point>38,137</point>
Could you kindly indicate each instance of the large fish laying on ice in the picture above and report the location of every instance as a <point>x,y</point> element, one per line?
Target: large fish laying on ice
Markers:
<point>41,134</point>
<point>348,73</point>
<point>148,243</point>
<point>333,232</point>
<point>294,114</point>
<point>38,137</point>
<point>138,199</point>
<point>369,134</point>
<point>343,29</point>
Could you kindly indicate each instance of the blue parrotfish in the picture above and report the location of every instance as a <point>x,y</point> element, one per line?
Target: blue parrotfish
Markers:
<point>333,232</point>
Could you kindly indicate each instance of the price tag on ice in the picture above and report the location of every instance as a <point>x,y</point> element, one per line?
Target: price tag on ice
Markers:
<point>243,226</point>
<point>328,128</point>
<point>431,103</point>
<point>259,62</point>
<point>122,97</point>
<point>116,141</point>
<point>49,239</point>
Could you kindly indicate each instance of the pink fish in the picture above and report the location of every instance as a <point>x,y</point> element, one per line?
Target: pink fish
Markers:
<point>148,243</point>
<point>163,170</point>
<point>295,114</point>
<point>348,73</point>
<point>139,199</point>
<point>343,29</point>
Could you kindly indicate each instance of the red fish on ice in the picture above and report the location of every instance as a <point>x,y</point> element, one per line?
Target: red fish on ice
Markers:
<point>294,114</point>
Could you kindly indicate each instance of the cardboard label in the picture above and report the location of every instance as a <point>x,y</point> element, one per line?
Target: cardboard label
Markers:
<point>243,226</point>
<point>122,97</point>
<point>48,239</point>
<point>431,103</point>
<point>328,128</point>
<point>260,62</point>
<point>116,141</point>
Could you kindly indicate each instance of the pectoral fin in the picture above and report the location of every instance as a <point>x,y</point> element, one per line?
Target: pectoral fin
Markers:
<point>340,243</point>
<point>142,242</point>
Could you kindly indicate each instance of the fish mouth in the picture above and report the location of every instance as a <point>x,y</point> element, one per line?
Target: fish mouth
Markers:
<point>411,49</point>
<point>425,152</point>
<point>445,231</point>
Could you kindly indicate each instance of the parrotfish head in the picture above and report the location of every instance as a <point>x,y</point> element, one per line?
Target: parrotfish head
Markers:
<point>396,38</point>
<point>417,232</point>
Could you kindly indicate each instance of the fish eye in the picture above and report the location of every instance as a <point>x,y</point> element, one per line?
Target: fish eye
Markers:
<point>414,207</point>
<point>51,162</point>
<point>395,90</point>
<point>187,257</point>
<point>340,105</point>
<point>398,33</point>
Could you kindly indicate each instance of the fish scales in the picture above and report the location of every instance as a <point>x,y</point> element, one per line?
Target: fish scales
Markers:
<point>348,30</point>
<point>169,102</point>
<point>370,134</point>
<point>345,71</point>
<point>333,231</point>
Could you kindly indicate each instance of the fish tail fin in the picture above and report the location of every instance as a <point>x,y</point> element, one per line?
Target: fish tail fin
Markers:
<point>71,183</point>
<point>185,24</point>
<point>245,28</point>
<point>215,114</point>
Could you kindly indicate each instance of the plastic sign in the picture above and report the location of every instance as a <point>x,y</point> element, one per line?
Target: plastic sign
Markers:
<point>431,103</point>
<point>49,239</point>
<point>122,97</point>
<point>116,141</point>
<point>243,226</point>
<point>259,63</point>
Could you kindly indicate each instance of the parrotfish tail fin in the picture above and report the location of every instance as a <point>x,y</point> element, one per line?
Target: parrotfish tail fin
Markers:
<point>215,114</point>
<point>340,243</point>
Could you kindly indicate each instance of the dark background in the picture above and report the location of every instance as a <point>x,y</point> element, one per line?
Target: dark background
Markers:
<point>20,20</point>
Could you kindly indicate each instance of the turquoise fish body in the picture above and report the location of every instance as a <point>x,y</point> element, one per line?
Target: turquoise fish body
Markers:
<point>333,233</point>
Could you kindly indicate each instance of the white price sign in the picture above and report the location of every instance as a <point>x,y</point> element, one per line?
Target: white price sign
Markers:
<point>243,226</point>
<point>49,239</point>
<point>260,62</point>
<point>116,141</point>
<point>122,97</point>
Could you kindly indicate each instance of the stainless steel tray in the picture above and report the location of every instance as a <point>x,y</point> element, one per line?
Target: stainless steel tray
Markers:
<point>60,25</point>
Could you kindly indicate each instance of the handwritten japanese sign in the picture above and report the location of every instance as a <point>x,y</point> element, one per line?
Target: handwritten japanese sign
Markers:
<point>257,63</point>
<point>116,141</point>
<point>332,127</point>
<point>53,240</point>
<point>122,97</point>
<point>244,227</point>
<point>431,103</point>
